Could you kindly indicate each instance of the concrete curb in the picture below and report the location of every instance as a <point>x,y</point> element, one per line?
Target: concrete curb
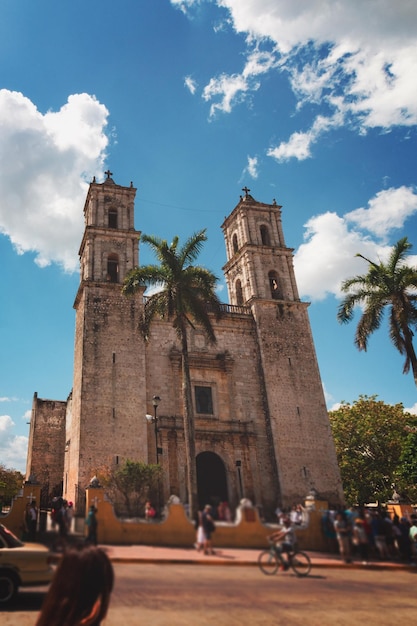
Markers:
<point>148,555</point>
<point>217,562</point>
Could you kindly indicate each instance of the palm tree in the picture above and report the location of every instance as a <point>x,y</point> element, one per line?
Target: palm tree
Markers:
<point>393,285</point>
<point>187,293</point>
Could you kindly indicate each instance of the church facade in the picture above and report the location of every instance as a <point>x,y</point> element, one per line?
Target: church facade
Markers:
<point>261,425</point>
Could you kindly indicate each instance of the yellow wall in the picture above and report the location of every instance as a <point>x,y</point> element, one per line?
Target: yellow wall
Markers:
<point>178,530</point>
<point>14,519</point>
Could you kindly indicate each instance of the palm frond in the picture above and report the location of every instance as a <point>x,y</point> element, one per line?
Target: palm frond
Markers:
<point>392,284</point>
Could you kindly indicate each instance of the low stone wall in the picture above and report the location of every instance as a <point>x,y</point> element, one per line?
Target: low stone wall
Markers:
<point>248,531</point>
<point>178,530</point>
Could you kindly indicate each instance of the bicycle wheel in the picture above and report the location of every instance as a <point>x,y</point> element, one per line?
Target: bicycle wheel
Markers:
<point>300,563</point>
<point>268,562</point>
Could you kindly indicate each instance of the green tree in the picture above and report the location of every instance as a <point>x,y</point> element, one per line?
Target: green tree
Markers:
<point>407,474</point>
<point>370,436</point>
<point>132,481</point>
<point>389,285</point>
<point>11,482</point>
<point>186,297</point>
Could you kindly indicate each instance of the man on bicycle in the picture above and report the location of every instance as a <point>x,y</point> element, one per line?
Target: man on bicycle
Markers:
<point>284,540</point>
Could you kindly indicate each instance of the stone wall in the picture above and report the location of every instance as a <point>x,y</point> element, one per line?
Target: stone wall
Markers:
<point>45,461</point>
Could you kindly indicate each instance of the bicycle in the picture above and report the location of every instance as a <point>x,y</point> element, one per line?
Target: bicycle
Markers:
<point>269,561</point>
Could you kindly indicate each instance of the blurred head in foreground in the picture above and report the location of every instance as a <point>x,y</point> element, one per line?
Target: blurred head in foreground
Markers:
<point>79,594</point>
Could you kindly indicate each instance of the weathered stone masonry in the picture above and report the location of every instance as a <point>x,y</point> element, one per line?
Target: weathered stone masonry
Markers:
<point>262,429</point>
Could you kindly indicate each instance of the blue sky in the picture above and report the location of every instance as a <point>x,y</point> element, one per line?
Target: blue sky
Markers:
<point>312,103</point>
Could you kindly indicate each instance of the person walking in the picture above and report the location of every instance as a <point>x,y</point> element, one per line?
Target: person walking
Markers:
<point>209,527</point>
<point>200,534</point>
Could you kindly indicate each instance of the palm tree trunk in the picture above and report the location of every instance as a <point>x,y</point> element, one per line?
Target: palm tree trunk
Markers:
<point>409,348</point>
<point>189,432</point>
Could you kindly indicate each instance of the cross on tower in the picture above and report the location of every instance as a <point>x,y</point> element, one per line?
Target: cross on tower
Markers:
<point>246,190</point>
<point>109,173</point>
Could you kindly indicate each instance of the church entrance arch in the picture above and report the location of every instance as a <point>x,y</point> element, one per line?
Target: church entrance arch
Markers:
<point>211,479</point>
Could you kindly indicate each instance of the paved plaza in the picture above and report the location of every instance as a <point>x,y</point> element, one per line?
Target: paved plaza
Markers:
<point>181,587</point>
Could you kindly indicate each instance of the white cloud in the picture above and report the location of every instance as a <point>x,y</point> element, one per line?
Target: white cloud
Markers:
<point>328,256</point>
<point>299,144</point>
<point>191,84</point>
<point>412,410</point>
<point>185,5</point>
<point>252,167</point>
<point>45,161</point>
<point>331,242</point>
<point>13,448</point>
<point>387,211</point>
<point>298,147</point>
<point>6,424</point>
<point>232,89</point>
<point>356,58</point>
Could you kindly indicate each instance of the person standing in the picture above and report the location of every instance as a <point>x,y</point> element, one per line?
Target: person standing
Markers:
<point>69,514</point>
<point>360,540</point>
<point>32,521</point>
<point>150,512</point>
<point>92,524</point>
<point>413,536</point>
<point>343,529</point>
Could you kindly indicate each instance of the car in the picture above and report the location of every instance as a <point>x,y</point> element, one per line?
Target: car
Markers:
<point>21,564</point>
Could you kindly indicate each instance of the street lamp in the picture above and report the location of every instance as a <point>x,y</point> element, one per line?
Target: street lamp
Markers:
<point>154,418</point>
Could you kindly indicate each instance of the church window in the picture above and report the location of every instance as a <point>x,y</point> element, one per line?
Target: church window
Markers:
<point>235,244</point>
<point>274,286</point>
<point>203,400</point>
<point>265,235</point>
<point>113,269</point>
<point>239,293</point>
<point>112,218</point>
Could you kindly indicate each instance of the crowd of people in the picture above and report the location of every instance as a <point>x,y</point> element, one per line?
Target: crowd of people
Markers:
<point>364,533</point>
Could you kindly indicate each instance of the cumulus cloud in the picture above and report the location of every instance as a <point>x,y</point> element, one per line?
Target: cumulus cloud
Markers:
<point>13,448</point>
<point>412,409</point>
<point>356,58</point>
<point>387,211</point>
<point>45,162</point>
<point>331,242</point>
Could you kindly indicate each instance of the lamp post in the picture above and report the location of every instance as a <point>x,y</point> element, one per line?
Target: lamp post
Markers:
<point>154,418</point>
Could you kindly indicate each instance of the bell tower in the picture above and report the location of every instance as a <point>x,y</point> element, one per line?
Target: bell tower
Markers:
<point>105,416</point>
<point>259,265</point>
<point>260,275</point>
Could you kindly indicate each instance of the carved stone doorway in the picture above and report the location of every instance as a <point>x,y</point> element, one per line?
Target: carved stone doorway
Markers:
<point>211,479</point>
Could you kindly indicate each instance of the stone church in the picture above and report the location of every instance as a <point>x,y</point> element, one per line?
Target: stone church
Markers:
<point>261,424</point>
